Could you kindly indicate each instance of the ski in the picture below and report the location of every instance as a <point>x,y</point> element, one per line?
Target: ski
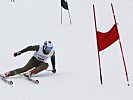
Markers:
<point>30,79</point>
<point>5,80</point>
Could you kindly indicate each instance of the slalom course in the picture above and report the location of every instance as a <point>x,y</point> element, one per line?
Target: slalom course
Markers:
<point>93,53</point>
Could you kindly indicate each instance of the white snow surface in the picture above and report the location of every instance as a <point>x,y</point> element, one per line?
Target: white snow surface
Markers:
<point>31,22</point>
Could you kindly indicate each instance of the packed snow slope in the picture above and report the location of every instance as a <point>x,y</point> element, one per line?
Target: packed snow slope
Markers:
<point>31,22</point>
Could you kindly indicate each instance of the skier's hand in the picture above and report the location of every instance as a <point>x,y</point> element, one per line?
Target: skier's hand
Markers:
<point>54,71</point>
<point>16,54</point>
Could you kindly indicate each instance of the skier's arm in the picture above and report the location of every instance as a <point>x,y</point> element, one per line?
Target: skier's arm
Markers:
<point>53,63</point>
<point>29,48</point>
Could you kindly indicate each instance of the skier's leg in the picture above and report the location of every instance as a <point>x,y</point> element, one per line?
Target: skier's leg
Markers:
<point>32,63</point>
<point>41,67</point>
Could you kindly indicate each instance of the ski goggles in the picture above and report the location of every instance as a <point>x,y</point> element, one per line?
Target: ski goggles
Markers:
<point>48,48</point>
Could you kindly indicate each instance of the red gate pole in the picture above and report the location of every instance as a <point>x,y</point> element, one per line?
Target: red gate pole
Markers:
<point>121,48</point>
<point>97,46</point>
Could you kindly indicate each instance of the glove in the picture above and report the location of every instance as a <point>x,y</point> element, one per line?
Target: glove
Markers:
<point>16,54</point>
<point>54,71</point>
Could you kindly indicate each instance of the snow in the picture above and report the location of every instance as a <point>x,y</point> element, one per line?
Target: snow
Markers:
<point>30,22</point>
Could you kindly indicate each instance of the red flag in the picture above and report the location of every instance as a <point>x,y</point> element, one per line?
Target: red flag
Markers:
<point>104,40</point>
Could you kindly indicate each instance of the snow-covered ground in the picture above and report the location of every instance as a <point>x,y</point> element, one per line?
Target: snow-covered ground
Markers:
<point>30,22</point>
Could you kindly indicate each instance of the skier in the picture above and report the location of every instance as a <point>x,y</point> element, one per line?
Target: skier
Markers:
<point>38,62</point>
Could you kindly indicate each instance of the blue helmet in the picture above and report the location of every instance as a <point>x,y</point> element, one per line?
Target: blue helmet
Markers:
<point>48,45</point>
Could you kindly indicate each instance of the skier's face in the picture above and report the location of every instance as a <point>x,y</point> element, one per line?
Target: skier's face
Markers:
<point>48,49</point>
